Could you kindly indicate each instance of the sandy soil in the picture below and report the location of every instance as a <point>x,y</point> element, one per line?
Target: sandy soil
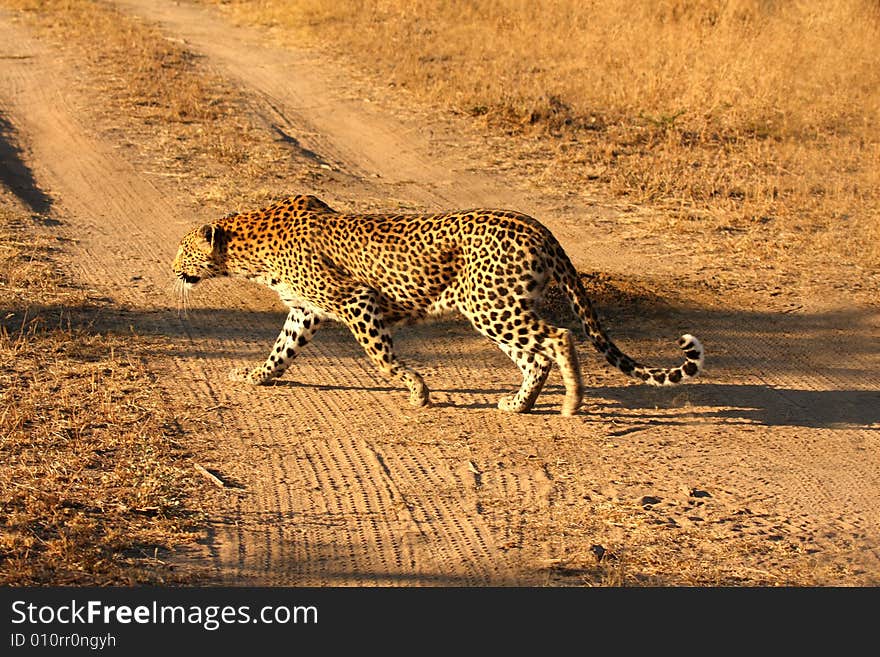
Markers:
<point>764,472</point>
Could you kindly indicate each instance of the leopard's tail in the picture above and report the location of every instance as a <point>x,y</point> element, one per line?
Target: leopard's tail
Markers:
<point>580,303</point>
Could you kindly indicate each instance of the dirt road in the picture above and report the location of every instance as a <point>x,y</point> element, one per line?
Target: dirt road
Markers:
<point>765,472</point>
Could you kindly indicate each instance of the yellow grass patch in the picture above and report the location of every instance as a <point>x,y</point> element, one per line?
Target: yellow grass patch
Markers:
<point>746,115</point>
<point>92,479</point>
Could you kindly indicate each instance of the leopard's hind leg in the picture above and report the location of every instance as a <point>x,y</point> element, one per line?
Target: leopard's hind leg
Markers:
<point>533,345</point>
<point>535,368</point>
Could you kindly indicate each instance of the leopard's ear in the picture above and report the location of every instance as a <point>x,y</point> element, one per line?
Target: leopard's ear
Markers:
<point>210,234</point>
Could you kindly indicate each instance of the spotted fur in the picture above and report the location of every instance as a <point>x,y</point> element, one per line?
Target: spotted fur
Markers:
<point>374,272</point>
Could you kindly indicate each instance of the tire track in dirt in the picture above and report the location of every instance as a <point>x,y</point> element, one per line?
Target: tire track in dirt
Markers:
<point>818,415</point>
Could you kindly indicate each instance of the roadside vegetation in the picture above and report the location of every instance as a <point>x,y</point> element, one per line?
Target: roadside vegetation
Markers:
<point>95,477</point>
<point>160,99</point>
<point>93,481</point>
<point>754,121</point>
<point>93,469</point>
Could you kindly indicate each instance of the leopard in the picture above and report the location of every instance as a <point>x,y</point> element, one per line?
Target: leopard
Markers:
<point>376,272</point>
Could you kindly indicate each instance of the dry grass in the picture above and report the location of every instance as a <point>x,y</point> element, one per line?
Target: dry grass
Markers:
<point>182,120</point>
<point>750,117</point>
<point>92,480</point>
<point>159,85</point>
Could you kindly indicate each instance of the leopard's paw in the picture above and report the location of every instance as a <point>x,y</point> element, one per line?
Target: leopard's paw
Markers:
<point>255,376</point>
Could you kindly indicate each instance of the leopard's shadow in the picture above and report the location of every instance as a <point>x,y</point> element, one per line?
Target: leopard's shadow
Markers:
<point>490,392</point>
<point>840,393</point>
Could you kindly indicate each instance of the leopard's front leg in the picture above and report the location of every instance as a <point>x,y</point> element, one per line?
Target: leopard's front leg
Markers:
<point>361,312</point>
<point>299,327</point>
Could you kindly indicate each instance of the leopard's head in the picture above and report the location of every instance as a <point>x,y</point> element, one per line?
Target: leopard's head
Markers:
<point>201,255</point>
